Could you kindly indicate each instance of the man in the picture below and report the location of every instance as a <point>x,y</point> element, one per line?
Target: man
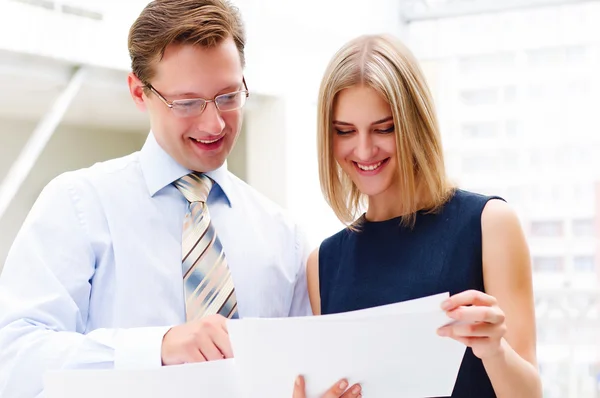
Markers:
<point>139,261</point>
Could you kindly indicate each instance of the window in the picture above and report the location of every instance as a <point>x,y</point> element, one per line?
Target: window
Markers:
<point>546,229</point>
<point>480,130</point>
<point>542,92</point>
<point>579,89</point>
<point>569,156</point>
<point>510,94</point>
<point>546,56</point>
<point>487,96</point>
<point>584,264</point>
<point>513,128</point>
<point>552,335</point>
<point>516,195</point>
<point>478,163</point>
<point>576,54</point>
<point>544,159</point>
<point>584,228</point>
<point>509,160</point>
<point>489,63</point>
<point>584,193</point>
<point>548,264</point>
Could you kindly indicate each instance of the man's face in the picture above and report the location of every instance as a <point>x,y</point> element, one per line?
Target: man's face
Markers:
<point>198,142</point>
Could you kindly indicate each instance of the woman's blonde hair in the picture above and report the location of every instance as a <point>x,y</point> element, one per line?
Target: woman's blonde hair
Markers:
<point>386,65</point>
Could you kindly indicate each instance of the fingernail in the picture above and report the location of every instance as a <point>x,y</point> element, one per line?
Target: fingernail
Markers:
<point>446,305</point>
<point>298,380</point>
<point>442,332</point>
<point>343,384</point>
<point>356,390</point>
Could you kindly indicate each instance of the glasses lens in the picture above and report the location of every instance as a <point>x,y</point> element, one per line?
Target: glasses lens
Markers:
<point>231,102</point>
<point>188,108</point>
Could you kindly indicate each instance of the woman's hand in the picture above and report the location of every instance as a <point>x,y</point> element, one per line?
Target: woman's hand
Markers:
<point>480,322</point>
<point>339,390</point>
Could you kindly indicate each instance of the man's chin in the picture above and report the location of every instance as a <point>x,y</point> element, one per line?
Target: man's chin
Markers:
<point>206,161</point>
<point>207,167</point>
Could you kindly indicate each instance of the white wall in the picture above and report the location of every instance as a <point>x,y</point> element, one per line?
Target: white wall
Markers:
<point>265,140</point>
<point>70,148</point>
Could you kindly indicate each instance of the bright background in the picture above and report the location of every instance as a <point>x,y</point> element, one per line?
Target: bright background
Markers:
<point>516,84</point>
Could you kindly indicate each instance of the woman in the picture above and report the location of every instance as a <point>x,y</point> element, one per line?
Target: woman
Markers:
<point>380,148</point>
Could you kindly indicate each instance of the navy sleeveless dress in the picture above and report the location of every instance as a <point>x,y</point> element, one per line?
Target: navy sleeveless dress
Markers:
<point>386,263</point>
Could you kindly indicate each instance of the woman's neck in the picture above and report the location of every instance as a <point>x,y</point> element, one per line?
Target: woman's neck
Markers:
<point>382,213</point>
<point>388,205</point>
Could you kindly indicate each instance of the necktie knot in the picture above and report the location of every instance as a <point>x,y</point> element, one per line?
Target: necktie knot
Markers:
<point>195,187</point>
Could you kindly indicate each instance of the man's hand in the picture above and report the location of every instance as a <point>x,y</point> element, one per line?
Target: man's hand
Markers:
<point>339,390</point>
<point>198,341</point>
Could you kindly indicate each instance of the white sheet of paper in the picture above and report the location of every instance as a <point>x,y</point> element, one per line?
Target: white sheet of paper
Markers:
<point>393,351</point>
<point>420,305</point>
<point>217,379</point>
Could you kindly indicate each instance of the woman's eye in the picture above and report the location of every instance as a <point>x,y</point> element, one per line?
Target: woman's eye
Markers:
<point>386,131</point>
<point>343,132</point>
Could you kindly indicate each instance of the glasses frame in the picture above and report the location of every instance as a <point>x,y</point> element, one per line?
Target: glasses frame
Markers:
<point>171,104</point>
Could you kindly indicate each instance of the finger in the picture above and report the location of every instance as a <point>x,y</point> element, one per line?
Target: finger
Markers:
<point>469,297</point>
<point>353,392</point>
<point>299,391</point>
<point>337,390</point>
<point>475,330</point>
<point>475,314</point>
<point>209,349</point>
<point>221,340</point>
<point>447,331</point>
<point>467,341</point>
<point>195,356</point>
<point>192,356</point>
<point>223,322</point>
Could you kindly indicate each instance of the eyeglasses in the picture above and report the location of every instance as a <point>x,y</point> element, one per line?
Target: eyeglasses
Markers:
<point>195,106</point>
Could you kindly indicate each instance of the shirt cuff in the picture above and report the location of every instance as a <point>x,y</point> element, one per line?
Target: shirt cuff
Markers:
<point>139,348</point>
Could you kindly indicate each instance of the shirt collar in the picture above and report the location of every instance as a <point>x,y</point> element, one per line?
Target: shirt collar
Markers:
<point>160,170</point>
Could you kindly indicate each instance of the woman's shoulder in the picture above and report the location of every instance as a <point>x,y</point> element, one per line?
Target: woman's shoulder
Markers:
<point>462,207</point>
<point>465,198</point>
<point>336,239</point>
<point>468,195</point>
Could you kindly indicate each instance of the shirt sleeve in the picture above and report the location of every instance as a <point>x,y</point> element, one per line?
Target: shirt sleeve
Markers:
<point>45,288</point>
<point>301,302</point>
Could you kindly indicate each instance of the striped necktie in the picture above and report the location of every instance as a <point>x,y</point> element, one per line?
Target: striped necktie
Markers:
<point>207,281</point>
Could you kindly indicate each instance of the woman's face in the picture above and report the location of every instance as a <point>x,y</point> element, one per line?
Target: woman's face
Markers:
<point>364,140</point>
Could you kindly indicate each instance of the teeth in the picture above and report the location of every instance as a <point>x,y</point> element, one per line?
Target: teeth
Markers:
<point>206,142</point>
<point>369,168</point>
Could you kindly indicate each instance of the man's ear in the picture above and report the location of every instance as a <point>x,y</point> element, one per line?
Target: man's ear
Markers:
<point>136,88</point>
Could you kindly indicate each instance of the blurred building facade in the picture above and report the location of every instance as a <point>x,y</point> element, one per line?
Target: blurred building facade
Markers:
<point>518,92</point>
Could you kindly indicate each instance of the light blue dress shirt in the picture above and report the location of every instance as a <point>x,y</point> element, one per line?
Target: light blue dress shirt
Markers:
<point>94,277</point>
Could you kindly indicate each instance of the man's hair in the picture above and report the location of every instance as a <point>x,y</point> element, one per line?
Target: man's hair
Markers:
<point>204,23</point>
